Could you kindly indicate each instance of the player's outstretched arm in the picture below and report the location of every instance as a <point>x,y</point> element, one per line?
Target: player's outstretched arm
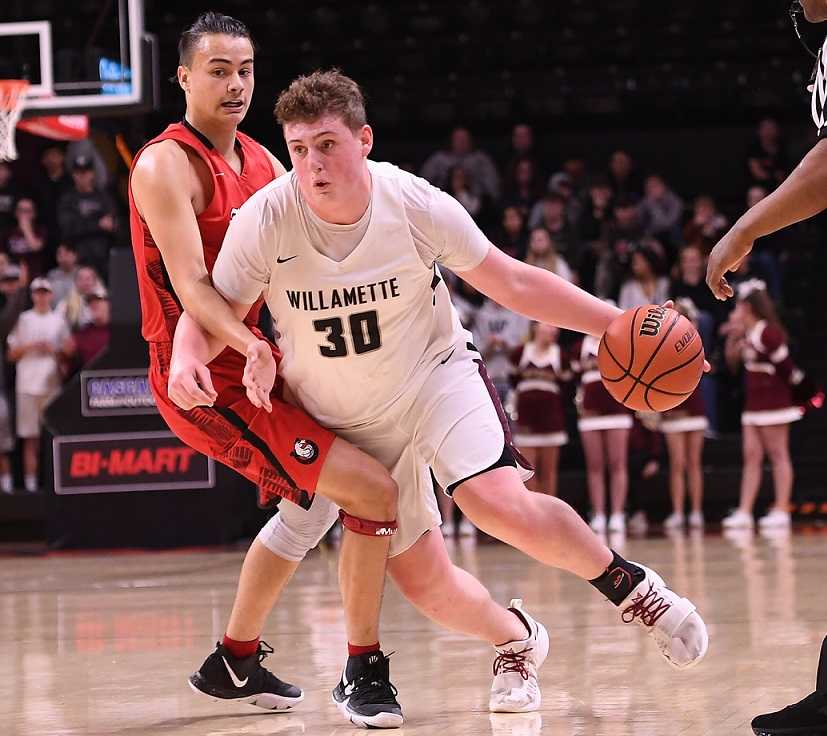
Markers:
<point>539,294</point>
<point>162,189</point>
<point>800,196</point>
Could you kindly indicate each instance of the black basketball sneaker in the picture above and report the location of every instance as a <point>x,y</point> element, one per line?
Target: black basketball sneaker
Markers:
<point>225,677</point>
<point>365,695</point>
<point>807,717</point>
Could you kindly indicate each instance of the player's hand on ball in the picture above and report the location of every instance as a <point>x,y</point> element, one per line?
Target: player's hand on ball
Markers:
<point>726,256</point>
<point>189,383</point>
<point>259,374</point>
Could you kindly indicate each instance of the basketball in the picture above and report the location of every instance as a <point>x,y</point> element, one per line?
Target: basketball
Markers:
<point>651,358</point>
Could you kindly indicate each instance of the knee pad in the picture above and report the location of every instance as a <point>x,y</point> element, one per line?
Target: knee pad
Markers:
<point>367,527</point>
<point>292,532</point>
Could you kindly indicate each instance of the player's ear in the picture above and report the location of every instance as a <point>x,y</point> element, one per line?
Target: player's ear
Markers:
<point>366,139</point>
<point>183,78</point>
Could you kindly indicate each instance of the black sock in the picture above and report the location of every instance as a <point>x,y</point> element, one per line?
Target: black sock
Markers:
<point>619,580</point>
<point>821,677</point>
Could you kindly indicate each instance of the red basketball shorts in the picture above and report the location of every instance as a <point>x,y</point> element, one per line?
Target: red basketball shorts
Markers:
<point>282,452</point>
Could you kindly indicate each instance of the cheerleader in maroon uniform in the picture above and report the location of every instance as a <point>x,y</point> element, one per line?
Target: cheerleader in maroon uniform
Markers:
<point>756,339</point>
<point>684,428</point>
<point>541,428</point>
<point>604,426</point>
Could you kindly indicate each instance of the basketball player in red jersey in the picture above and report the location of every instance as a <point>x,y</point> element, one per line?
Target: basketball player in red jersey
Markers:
<point>185,186</point>
<point>800,196</point>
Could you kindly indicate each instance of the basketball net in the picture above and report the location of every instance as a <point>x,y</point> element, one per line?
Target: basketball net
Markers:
<point>12,98</point>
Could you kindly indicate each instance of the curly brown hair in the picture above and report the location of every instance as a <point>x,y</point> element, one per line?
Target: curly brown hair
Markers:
<point>321,93</point>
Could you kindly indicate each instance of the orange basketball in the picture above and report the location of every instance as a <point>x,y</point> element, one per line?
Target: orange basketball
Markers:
<point>651,358</point>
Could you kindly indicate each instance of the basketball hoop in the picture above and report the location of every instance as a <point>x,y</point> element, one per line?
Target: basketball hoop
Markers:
<point>12,98</point>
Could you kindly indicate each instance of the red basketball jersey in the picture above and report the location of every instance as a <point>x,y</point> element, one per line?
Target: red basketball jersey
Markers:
<point>160,307</point>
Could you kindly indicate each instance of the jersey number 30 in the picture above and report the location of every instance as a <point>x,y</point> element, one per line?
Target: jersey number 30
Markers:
<point>364,333</point>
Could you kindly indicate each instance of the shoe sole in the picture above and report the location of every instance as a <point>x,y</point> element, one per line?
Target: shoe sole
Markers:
<point>808,731</point>
<point>381,720</point>
<point>267,701</point>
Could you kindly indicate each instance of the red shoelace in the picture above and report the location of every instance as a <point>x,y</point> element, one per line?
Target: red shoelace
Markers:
<point>648,608</point>
<point>512,662</point>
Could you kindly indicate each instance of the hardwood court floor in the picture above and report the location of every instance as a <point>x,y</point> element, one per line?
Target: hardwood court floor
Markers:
<point>101,645</point>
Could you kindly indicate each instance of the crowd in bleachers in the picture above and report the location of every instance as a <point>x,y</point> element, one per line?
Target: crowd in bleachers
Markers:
<point>624,234</point>
<point>56,231</point>
<point>615,228</point>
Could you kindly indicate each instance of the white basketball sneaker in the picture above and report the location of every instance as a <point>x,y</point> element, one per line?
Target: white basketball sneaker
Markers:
<point>515,688</point>
<point>679,632</point>
<point>738,520</point>
<point>675,520</point>
<point>617,523</point>
<point>598,523</point>
<point>775,519</point>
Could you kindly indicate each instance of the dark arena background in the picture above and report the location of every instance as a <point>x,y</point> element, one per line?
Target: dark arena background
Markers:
<point>612,143</point>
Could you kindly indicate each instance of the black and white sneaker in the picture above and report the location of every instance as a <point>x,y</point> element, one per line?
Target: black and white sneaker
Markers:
<point>365,695</point>
<point>807,717</point>
<point>244,680</point>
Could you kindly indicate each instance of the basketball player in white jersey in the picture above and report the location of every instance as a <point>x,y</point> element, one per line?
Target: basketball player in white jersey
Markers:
<point>800,196</point>
<point>347,254</point>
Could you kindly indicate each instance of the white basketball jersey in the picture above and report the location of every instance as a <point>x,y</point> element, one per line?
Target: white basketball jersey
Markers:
<point>360,335</point>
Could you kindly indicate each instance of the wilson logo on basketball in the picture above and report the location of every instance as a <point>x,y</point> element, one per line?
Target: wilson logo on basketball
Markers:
<point>650,326</point>
<point>685,341</point>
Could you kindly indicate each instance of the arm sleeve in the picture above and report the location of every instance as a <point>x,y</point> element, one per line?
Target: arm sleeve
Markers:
<point>452,239</point>
<point>242,269</point>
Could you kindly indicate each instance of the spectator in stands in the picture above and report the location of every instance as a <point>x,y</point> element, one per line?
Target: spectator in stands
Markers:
<point>34,345</point>
<point>543,254</point>
<point>74,308</point>
<point>9,192</point>
<point>707,312</point>
<point>50,184</point>
<point>623,233</point>
<point>522,147</point>
<point>511,237</point>
<point>463,191</point>
<point>550,213</point>
<point>87,216</point>
<point>497,333</point>
<point>561,183</point>
<point>541,427</point>
<point>598,210</point>
<point>87,342</point>
<point>14,295</point>
<point>770,251</point>
<point>26,240</point>
<point>689,283</point>
<point>647,284</point>
<point>477,163</point>
<point>752,268</point>
<point>62,277</point>
<point>623,175</point>
<point>662,212</point>
<point>523,186</point>
<point>87,150</point>
<point>756,339</point>
<point>467,301</point>
<point>767,163</point>
<point>707,225</point>
<point>684,428</point>
<point>6,435</point>
<point>578,175</point>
